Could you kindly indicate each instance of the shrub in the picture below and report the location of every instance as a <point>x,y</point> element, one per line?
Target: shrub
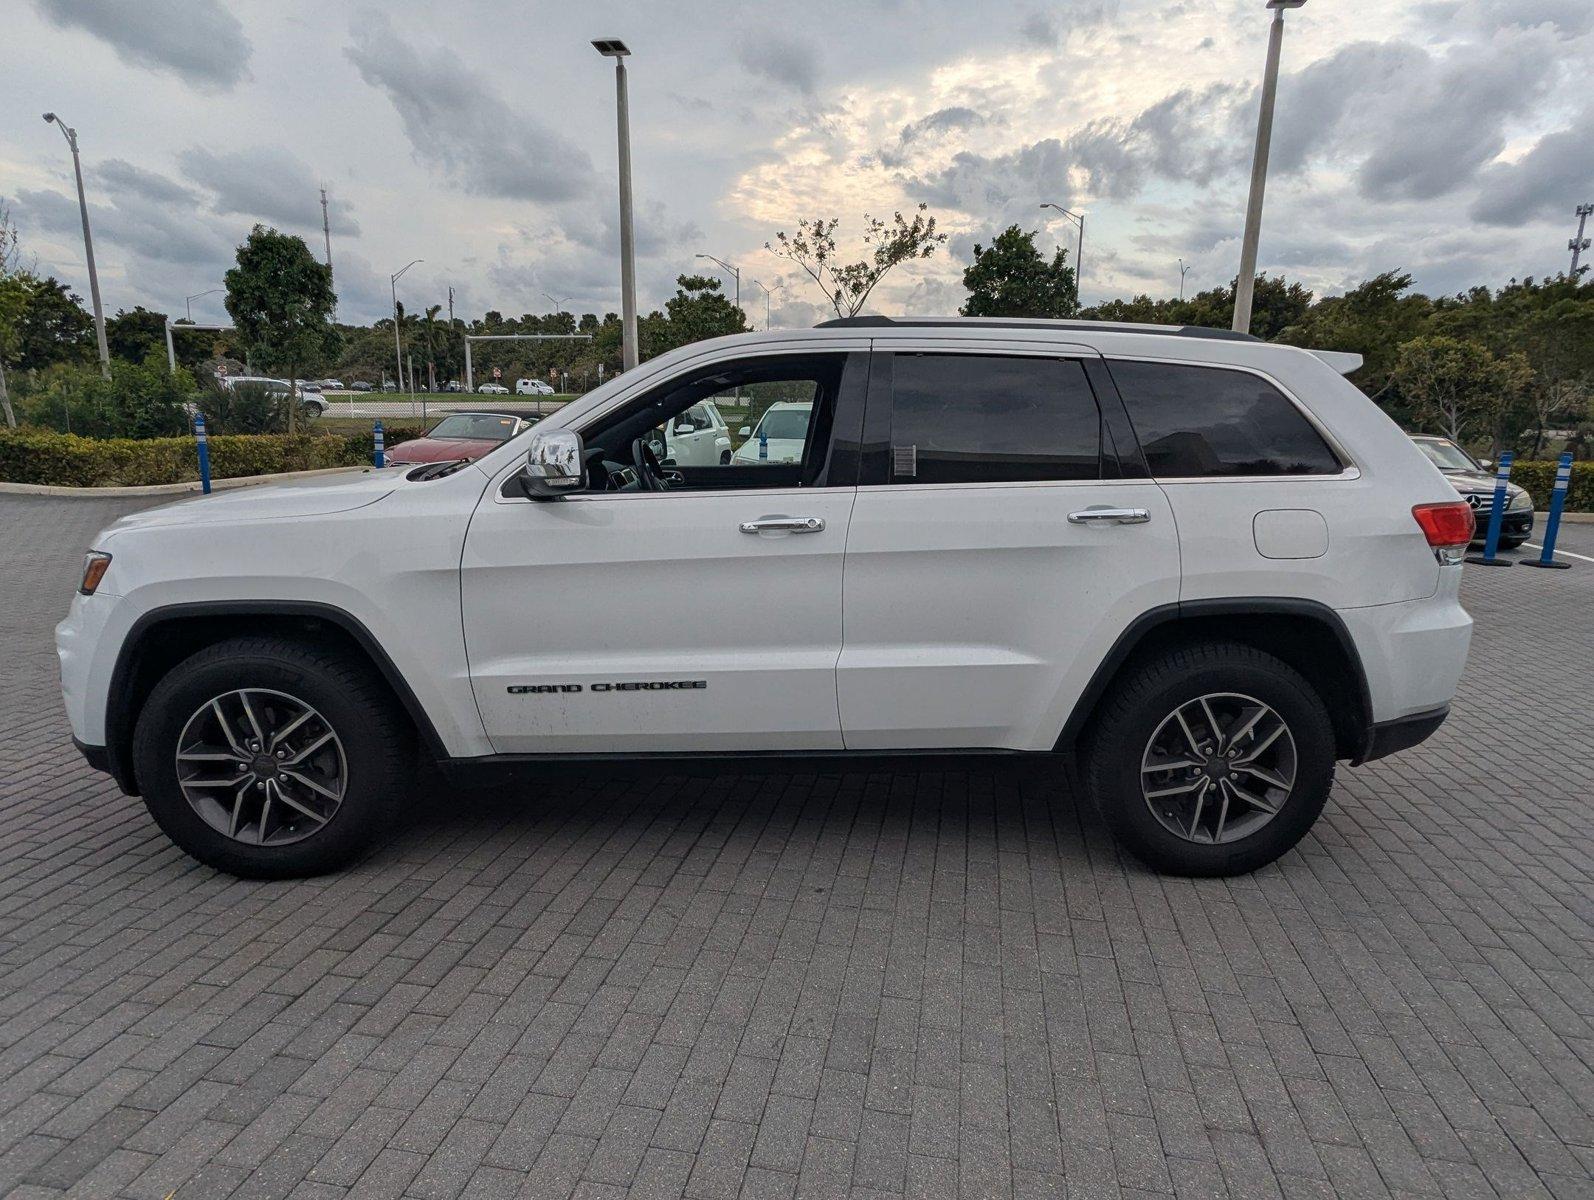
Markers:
<point>244,408</point>
<point>31,455</point>
<point>140,400</point>
<point>1539,479</point>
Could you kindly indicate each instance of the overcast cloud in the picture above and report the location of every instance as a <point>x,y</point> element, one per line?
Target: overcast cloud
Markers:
<point>1447,138</point>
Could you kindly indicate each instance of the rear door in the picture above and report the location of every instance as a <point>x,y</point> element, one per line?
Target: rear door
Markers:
<point>1004,535</point>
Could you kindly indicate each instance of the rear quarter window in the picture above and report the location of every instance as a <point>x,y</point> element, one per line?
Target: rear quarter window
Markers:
<point>1203,422</point>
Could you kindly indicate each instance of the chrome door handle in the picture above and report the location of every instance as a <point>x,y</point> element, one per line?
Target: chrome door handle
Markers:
<point>1109,516</point>
<point>783,525</point>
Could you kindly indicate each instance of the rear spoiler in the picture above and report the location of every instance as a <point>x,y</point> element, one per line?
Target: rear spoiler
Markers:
<point>1340,360</point>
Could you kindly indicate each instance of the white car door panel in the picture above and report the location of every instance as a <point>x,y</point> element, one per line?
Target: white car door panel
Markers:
<point>976,612</point>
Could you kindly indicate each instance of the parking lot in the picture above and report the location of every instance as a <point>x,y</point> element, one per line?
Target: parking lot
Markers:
<point>879,983</point>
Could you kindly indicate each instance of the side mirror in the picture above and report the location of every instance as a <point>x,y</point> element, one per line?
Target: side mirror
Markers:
<point>745,431</point>
<point>555,464</point>
<point>683,430</point>
<point>1486,463</point>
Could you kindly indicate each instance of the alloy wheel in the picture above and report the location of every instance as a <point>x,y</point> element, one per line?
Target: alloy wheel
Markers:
<point>261,767</point>
<point>1218,768</point>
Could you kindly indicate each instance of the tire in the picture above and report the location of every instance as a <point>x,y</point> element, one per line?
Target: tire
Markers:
<point>363,767</point>
<point>1137,725</point>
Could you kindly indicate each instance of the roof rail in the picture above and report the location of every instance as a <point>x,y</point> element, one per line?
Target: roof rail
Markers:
<point>1188,331</point>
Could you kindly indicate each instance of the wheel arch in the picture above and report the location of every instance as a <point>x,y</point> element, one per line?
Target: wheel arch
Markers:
<point>1305,634</point>
<point>165,636</point>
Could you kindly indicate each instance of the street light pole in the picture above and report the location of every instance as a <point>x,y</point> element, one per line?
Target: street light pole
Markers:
<point>188,304</point>
<point>88,243</point>
<point>736,272</point>
<point>616,49</point>
<point>1079,254</point>
<point>398,345</point>
<point>767,290</point>
<point>557,304</point>
<point>1245,284</point>
<point>1183,271</point>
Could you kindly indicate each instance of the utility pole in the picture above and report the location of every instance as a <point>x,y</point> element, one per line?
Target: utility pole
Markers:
<point>326,227</point>
<point>1183,271</point>
<point>1580,243</point>
<point>1245,284</point>
<point>616,49</point>
<point>88,243</point>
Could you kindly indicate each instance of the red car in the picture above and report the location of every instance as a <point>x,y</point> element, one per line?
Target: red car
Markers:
<point>461,435</point>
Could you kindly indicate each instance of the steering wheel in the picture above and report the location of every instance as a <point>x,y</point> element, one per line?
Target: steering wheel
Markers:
<point>649,473</point>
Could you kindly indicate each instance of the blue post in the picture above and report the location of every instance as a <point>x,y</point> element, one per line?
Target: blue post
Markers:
<point>1502,476</point>
<point>381,455</point>
<point>1563,480</point>
<point>763,445</point>
<point>204,452</point>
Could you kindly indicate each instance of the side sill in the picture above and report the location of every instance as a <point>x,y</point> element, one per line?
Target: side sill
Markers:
<point>493,770</point>
<point>1391,737</point>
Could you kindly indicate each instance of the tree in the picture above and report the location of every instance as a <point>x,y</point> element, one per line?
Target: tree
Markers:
<point>847,285</point>
<point>698,310</point>
<point>281,300</point>
<point>1460,387</point>
<point>53,327</point>
<point>1276,305</point>
<point>133,335</point>
<point>1373,319</point>
<point>1010,278</point>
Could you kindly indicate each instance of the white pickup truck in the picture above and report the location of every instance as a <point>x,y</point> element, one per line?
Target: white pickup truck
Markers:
<point>1203,566</point>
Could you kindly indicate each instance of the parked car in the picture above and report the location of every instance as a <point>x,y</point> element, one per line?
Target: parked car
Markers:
<point>389,386</point>
<point>359,385</point>
<point>1203,566</point>
<point>460,436</point>
<point>331,385</point>
<point>492,389</point>
<point>1475,483</point>
<point>533,387</point>
<point>311,401</point>
<point>453,385</point>
<point>779,437</point>
<point>697,437</point>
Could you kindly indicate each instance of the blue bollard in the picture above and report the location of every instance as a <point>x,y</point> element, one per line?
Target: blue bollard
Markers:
<point>763,445</point>
<point>381,455</point>
<point>1502,475</point>
<point>1563,480</point>
<point>204,453</point>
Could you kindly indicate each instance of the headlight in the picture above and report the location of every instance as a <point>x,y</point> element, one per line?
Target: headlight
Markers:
<point>95,564</point>
<point>1520,500</point>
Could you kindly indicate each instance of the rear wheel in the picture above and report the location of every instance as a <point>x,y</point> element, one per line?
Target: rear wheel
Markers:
<point>1212,759</point>
<point>271,758</point>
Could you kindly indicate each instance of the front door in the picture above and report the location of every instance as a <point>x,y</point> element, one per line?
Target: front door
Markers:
<point>1004,535</point>
<point>705,617</point>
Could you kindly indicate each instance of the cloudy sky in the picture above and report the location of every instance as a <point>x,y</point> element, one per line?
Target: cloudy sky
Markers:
<point>1450,138</point>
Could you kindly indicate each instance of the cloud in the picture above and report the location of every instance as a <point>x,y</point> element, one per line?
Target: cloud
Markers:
<point>1038,29</point>
<point>268,183</point>
<point>198,41</point>
<point>457,124</point>
<point>789,61</point>
<point>1570,17</point>
<point>122,179</point>
<point>1548,181</point>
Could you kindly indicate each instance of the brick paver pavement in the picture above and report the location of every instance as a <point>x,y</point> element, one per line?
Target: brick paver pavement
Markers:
<point>876,983</point>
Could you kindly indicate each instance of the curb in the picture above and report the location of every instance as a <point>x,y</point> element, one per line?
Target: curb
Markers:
<point>190,487</point>
<point>1567,518</point>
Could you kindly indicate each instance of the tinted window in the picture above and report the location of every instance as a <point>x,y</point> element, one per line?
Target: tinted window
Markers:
<point>1200,421</point>
<point>965,418</point>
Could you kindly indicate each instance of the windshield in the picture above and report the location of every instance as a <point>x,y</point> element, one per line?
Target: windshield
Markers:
<point>1447,456</point>
<point>785,423</point>
<point>480,426</point>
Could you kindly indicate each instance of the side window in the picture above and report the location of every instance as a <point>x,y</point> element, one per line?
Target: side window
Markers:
<point>1197,422</point>
<point>979,418</point>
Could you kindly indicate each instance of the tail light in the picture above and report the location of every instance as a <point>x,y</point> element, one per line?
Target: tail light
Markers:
<point>1448,528</point>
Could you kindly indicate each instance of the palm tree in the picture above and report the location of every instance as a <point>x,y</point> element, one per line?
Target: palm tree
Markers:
<point>430,326</point>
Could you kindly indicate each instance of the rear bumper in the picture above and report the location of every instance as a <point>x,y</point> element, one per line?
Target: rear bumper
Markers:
<point>97,757</point>
<point>1391,737</point>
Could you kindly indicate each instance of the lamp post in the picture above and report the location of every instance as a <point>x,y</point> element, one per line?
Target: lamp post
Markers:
<point>1079,253</point>
<point>735,271</point>
<point>558,305</point>
<point>398,345</point>
<point>1183,271</point>
<point>767,291</point>
<point>616,49</point>
<point>188,304</point>
<point>88,242</point>
<point>1245,284</point>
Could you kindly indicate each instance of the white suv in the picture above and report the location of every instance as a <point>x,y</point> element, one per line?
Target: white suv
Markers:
<point>1205,566</point>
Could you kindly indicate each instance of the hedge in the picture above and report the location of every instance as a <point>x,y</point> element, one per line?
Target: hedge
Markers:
<point>65,459</point>
<point>1539,479</point>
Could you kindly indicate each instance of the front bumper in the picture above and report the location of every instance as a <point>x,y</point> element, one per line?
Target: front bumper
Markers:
<point>1517,525</point>
<point>98,757</point>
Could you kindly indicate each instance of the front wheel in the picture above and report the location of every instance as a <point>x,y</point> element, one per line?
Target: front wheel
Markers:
<point>1212,759</point>
<point>271,758</point>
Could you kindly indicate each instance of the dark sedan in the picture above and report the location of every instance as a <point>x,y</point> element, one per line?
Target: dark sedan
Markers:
<point>1475,483</point>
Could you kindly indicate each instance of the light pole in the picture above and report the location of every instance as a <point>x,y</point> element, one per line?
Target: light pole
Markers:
<point>1245,284</point>
<point>88,242</point>
<point>735,271</point>
<point>1183,271</point>
<point>767,291</point>
<point>188,304</point>
<point>398,345</point>
<point>1079,254</point>
<point>558,305</point>
<point>616,49</point>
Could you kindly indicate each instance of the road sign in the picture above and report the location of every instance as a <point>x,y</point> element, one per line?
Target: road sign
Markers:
<point>498,372</point>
